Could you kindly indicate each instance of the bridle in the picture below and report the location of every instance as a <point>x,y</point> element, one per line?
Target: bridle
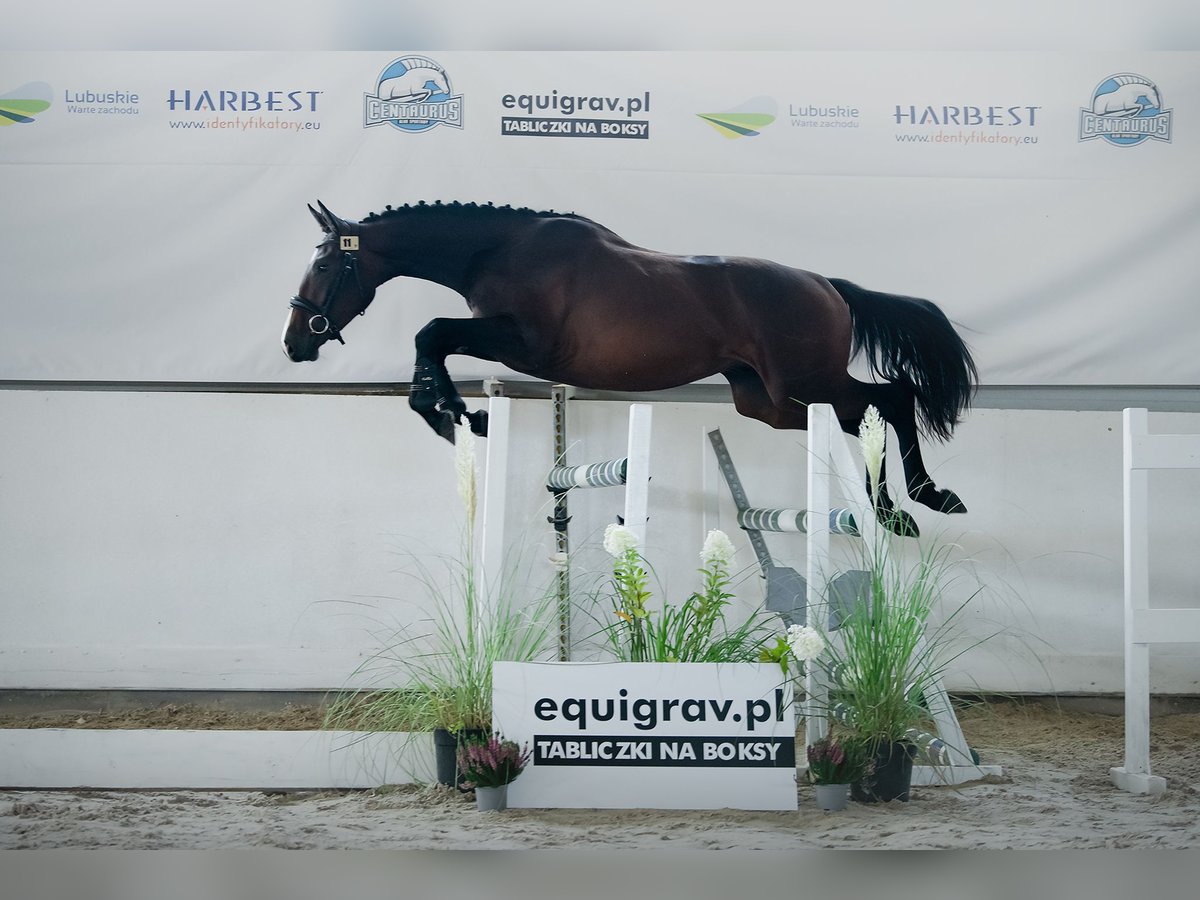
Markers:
<point>319,321</point>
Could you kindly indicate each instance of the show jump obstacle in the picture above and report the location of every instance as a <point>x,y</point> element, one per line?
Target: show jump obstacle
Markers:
<point>946,754</point>
<point>1143,625</point>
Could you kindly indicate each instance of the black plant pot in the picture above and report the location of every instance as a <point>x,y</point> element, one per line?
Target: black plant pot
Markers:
<point>890,776</point>
<point>445,749</point>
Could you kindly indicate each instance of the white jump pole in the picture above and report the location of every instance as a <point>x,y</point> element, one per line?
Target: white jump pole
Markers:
<point>816,690</point>
<point>495,496</point>
<point>637,471</point>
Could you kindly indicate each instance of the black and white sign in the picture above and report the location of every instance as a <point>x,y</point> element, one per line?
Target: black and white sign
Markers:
<point>665,736</point>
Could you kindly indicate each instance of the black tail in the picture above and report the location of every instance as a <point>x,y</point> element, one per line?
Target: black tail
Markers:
<point>910,341</point>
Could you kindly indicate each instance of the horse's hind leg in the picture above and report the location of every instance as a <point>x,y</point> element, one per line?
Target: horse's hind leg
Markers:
<point>895,520</point>
<point>752,399</point>
<point>896,405</point>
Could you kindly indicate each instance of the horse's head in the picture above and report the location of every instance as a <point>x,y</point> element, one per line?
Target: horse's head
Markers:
<point>332,291</point>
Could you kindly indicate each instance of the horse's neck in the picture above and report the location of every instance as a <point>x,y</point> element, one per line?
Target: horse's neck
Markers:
<point>433,245</point>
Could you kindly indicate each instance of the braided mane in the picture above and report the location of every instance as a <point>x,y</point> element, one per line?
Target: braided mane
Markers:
<point>487,208</point>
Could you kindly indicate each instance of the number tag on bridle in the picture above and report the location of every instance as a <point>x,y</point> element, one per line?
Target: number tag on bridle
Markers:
<point>348,242</point>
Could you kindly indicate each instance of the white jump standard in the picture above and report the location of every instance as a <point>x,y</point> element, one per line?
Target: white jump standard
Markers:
<point>1143,625</point>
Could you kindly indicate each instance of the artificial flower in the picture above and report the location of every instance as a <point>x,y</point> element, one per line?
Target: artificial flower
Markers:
<point>718,549</point>
<point>619,540</point>
<point>805,642</point>
<point>872,440</point>
<point>464,466</point>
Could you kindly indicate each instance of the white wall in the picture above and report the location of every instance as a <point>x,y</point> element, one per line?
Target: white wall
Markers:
<point>176,540</point>
<point>209,541</point>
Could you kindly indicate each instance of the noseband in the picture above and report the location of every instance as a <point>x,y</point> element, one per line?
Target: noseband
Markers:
<point>319,321</point>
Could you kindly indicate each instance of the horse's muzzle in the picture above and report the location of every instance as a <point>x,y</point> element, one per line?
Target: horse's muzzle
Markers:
<point>306,351</point>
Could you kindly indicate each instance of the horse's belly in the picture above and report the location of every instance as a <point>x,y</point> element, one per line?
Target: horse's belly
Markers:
<point>626,366</point>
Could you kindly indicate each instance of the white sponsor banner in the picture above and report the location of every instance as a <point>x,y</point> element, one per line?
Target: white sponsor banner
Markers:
<point>156,223</point>
<point>650,735</point>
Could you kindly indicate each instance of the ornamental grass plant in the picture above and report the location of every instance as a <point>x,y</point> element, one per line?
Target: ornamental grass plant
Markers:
<point>887,657</point>
<point>887,654</point>
<point>438,673</point>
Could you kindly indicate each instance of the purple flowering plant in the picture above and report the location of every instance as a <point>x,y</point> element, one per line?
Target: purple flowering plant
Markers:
<point>831,761</point>
<point>493,762</point>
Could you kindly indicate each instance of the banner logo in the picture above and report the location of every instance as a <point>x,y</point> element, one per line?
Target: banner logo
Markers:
<point>21,106</point>
<point>746,120</point>
<point>413,94</point>
<point>1126,110</point>
<point>95,103</point>
<point>567,114</point>
<point>813,115</point>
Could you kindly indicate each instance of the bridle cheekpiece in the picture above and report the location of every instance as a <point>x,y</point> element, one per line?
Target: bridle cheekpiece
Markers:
<point>319,321</point>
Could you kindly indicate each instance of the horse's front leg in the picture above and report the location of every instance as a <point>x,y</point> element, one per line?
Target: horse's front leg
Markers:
<point>433,394</point>
<point>427,393</point>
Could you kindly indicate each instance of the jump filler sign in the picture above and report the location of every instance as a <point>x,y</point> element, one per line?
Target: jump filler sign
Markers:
<point>669,736</point>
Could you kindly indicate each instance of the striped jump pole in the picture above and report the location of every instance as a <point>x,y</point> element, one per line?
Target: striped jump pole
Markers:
<point>795,521</point>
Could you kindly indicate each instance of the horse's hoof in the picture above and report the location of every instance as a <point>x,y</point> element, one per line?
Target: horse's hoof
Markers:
<point>939,501</point>
<point>443,424</point>
<point>479,422</point>
<point>951,503</point>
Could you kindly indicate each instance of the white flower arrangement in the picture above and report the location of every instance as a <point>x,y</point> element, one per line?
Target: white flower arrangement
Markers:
<point>805,642</point>
<point>718,549</point>
<point>695,631</point>
<point>619,540</point>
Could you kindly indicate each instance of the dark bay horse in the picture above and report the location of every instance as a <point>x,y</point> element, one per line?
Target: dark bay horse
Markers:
<point>564,299</point>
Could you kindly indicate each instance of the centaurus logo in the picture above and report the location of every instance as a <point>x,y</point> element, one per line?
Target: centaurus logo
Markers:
<point>746,120</point>
<point>20,106</point>
<point>413,94</point>
<point>1126,110</point>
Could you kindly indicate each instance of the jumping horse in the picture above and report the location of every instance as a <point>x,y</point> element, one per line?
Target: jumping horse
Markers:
<point>562,298</point>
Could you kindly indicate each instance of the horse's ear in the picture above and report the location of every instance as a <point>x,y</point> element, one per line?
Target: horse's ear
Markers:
<point>335,224</point>
<point>321,220</point>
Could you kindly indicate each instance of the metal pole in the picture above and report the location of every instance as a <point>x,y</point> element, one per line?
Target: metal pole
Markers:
<point>559,394</point>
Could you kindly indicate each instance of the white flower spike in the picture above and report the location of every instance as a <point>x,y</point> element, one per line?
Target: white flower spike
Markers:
<point>872,439</point>
<point>464,467</point>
